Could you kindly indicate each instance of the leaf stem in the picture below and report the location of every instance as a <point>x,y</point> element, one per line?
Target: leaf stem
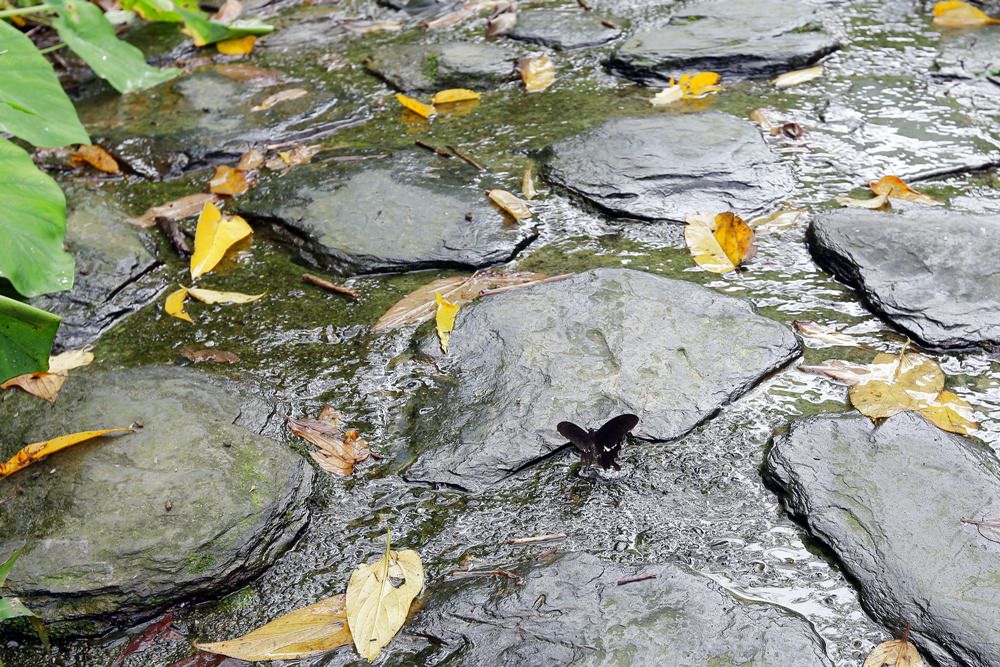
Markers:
<point>54,47</point>
<point>20,11</point>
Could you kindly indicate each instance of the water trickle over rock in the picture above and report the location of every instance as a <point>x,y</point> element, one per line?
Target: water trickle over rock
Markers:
<point>425,68</point>
<point>564,29</point>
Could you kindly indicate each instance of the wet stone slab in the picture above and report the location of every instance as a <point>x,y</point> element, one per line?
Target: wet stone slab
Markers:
<point>116,529</point>
<point>888,502</point>
<point>924,270</point>
<point>566,28</point>
<point>736,38</point>
<point>570,611</point>
<point>667,166</point>
<point>432,67</point>
<point>584,349</point>
<point>412,211</point>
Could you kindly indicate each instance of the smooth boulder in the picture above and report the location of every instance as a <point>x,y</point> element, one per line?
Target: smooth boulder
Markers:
<point>667,166</point>
<point>564,29</point>
<point>927,271</point>
<point>403,214</point>
<point>584,349</point>
<point>118,528</point>
<point>736,38</point>
<point>426,68</point>
<point>888,501</point>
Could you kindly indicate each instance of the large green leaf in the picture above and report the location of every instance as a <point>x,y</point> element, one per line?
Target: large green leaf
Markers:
<point>161,11</point>
<point>33,220</point>
<point>33,106</point>
<point>26,336</point>
<point>206,31</point>
<point>14,608</point>
<point>8,566</point>
<point>92,37</point>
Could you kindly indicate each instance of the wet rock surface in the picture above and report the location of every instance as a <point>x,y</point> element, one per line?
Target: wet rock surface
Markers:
<point>666,167</point>
<point>923,270</point>
<point>432,67</point>
<point>565,29</point>
<point>118,528</point>
<point>403,214</point>
<point>736,38</point>
<point>888,502</point>
<point>585,349</point>
<point>571,611</point>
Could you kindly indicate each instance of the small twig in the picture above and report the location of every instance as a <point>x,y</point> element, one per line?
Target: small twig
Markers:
<point>465,157</point>
<point>545,554</point>
<point>641,577</point>
<point>327,285</point>
<point>498,571</point>
<point>607,23</point>
<point>586,5</point>
<point>537,538</point>
<point>508,288</point>
<point>906,633</point>
<point>433,149</point>
<point>175,234</point>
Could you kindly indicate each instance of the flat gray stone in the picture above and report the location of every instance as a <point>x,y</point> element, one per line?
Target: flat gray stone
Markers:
<point>736,38</point>
<point>564,29</point>
<point>888,502</point>
<point>927,271</point>
<point>432,67</point>
<point>584,349</point>
<point>572,612</point>
<point>667,166</point>
<point>121,527</point>
<point>414,211</point>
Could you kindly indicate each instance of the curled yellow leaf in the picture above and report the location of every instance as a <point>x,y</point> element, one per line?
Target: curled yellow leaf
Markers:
<point>954,14</point>
<point>454,95</point>
<point>512,204</point>
<point>444,319</point>
<point>240,46</point>
<point>305,632</point>
<point>688,87</point>
<point>536,73</point>
<point>174,305</point>
<point>214,235</point>
<point>228,181</point>
<point>719,243</point>
<point>36,451</point>
<point>789,79</point>
<point>212,296</point>
<point>893,187</point>
<point>96,157</point>
<point>416,106</point>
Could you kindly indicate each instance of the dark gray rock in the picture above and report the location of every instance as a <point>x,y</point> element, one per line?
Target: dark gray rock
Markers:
<point>115,269</point>
<point>120,527</point>
<point>564,29</point>
<point>926,270</point>
<point>433,67</point>
<point>667,166</point>
<point>412,212</point>
<point>888,502</point>
<point>736,38</point>
<point>585,349</point>
<point>572,612</point>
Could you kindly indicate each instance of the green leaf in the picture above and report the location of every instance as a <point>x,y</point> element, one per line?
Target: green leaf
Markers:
<point>8,566</point>
<point>26,336</point>
<point>206,31</point>
<point>92,37</point>
<point>33,220</point>
<point>161,11</point>
<point>33,105</point>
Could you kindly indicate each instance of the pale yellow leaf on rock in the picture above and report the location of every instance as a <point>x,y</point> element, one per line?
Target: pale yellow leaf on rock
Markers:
<point>239,46</point>
<point>70,360</point>
<point>212,296</point>
<point>214,235</point>
<point>528,184</point>
<point>536,73</point>
<point>278,98</point>
<point>950,413</point>
<point>893,187</point>
<point>178,209</point>
<point>444,318</point>
<point>719,243</point>
<point>898,382</point>
<point>454,95</point>
<point>38,450</point>
<point>305,632</point>
<point>894,653</point>
<point>174,305</point>
<point>516,207</point>
<point>823,336</point>
<point>379,597</point>
<point>252,159</point>
<point>416,106</point>
<point>954,14</point>
<point>783,219</point>
<point>667,96</point>
<point>228,181</point>
<point>789,79</point>
<point>873,203</point>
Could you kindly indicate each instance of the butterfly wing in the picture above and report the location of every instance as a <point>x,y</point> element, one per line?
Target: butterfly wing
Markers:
<point>608,439</point>
<point>580,438</point>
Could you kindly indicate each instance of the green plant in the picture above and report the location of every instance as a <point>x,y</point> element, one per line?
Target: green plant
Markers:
<point>14,608</point>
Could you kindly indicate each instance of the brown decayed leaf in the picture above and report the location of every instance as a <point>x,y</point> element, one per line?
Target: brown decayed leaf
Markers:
<point>278,98</point>
<point>893,187</point>
<point>419,305</point>
<point>96,157</point>
<point>36,451</point>
<point>416,106</point>
<point>299,155</point>
<point>512,204</point>
<point>209,354</point>
<point>823,336</point>
<point>46,385</point>
<point>894,653</point>
<point>719,243</point>
<point>161,629</point>
<point>955,14</point>
<point>536,73</point>
<point>309,631</point>
<point>178,209</point>
<point>228,181</point>
<point>337,451</point>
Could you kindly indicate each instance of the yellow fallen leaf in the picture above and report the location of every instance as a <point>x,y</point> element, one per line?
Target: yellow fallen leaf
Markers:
<point>309,631</point>
<point>211,296</point>
<point>376,605</point>
<point>252,159</point>
<point>417,107</point>
<point>667,96</point>
<point>46,385</point>
<point>893,187</point>
<point>528,184</point>
<point>174,305</point>
<point>214,235</point>
<point>96,157</point>
<point>70,360</point>
<point>950,413</point>
<point>955,14</point>
<point>688,87</point>
<point>512,204</point>
<point>36,451</point>
<point>894,653</point>
<point>873,203</point>
<point>789,79</point>
<point>278,98</point>
<point>228,181</point>
<point>786,217</point>
<point>444,318</point>
<point>536,73</point>
<point>719,243</point>
<point>240,46</point>
<point>178,209</point>
<point>454,95</point>
<point>285,160</point>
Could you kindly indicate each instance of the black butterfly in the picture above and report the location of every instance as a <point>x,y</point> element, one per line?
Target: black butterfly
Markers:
<point>603,444</point>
